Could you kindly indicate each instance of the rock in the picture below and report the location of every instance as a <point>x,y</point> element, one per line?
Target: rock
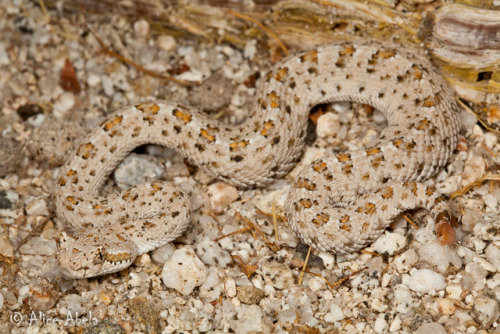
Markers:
<point>104,327</point>
<point>1,301</point>
<point>439,255</point>
<point>142,29</point>
<point>38,207</point>
<point>250,294</point>
<point>275,272</point>
<point>219,195</point>
<point>39,246</point>
<point>403,299</point>
<point>8,198</point>
<point>381,324</point>
<point>431,327</point>
<point>144,310</point>
<point>473,170</point>
<point>42,299</point>
<point>477,273</point>
<point>335,314</point>
<point>53,140</point>
<point>184,271</point>
<point>493,254</point>
<point>486,311</point>
<point>163,253</point>
<point>6,248</point>
<point>64,103</point>
<point>425,280</point>
<point>389,243</point>
<point>9,156</point>
<point>166,43</point>
<point>212,94</point>
<point>328,125</point>
<point>212,254</point>
<point>252,321</point>
<point>136,169</point>
<point>74,306</point>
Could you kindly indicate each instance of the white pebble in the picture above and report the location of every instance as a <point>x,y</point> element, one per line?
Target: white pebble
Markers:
<point>446,306</point>
<point>6,248</point>
<point>328,125</point>
<point>486,311</point>
<point>439,255</point>
<point>163,253</point>
<point>430,327</point>
<point>230,286</point>
<point>250,49</point>
<point>137,169</point>
<point>252,321</point>
<point>425,280</point>
<point>380,325</point>
<point>389,243</point>
<point>473,170</point>
<point>142,28</point>
<point>493,254</point>
<point>65,102</point>
<point>219,195</point>
<point>276,272</point>
<point>184,271</point>
<point>212,254</point>
<point>396,324</point>
<point>39,246</point>
<point>38,207</point>
<point>335,314</point>
<point>167,43</point>
<point>93,80</point>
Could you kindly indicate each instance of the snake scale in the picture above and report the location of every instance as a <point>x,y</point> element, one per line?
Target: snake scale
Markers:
<point>339,203</point>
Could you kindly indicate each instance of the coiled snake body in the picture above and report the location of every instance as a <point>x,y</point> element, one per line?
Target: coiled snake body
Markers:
<point>339,203</point>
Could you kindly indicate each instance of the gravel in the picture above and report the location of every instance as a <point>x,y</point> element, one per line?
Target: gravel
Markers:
<point>226,273</point>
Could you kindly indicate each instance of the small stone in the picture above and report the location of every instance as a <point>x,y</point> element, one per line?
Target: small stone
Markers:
<point>335,314</point>
<point>166,43</point>
<point>6,248</point>
<point>230,286</point>
<point>328,125</point>
<point>212,254</point>
<point>493,254</point>
<point>449,185</point>
<point>425,280</point>
<point>252,321</point>
<point>213,94</point>
<point>144,310</point>
<point>219,195</point>
<point>477,273</point>
<point>275,272</point>
<point>65,102</point>
<point>381,324</point>
<point>389,243</point>
<point>39,246</point>
<point>93,79</point>
<point>440,255</point>
<point>137,169</point>
<point>9,156</point>
<point>53,140</point>
<point>250,294</point>
<point>430,327</point>
<point>446,306</point>
<point>1,301</point>
<point>141,28</point>
<point>163,253</point>
<point>38,207</point>
<point>104,327</point>
<point>73,305</point>
<point>473,170</point>
<point>8,198</point>
<point>184,271</point>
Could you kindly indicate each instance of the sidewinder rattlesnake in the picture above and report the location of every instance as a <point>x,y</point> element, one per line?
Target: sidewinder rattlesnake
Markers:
<point>339,203</point>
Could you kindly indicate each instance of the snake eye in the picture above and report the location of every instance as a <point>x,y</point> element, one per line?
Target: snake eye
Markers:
<point>99,256</point>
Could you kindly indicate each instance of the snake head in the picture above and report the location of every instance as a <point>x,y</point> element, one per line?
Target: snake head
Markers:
<point>86,255</point>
